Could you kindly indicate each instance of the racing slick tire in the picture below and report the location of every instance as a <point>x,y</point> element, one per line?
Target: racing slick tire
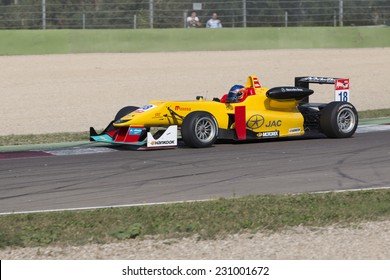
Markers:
<point>199,130</point>
<point>125,111</point>
<point>339,120</point>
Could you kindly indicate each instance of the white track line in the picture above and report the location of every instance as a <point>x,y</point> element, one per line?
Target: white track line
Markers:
<point>80,151</point>
<point>350,190</point>
<point>103,207</point>
<point>368,128</point>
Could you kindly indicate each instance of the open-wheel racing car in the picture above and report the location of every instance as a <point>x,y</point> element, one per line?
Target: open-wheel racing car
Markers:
<point>245,113</point>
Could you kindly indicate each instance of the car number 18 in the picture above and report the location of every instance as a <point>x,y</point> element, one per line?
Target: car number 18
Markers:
<point>341,92</point>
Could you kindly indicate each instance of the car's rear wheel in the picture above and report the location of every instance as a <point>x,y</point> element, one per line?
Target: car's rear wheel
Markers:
<point>199,129</point>
<point>339,120</point>
<point>125,111</point>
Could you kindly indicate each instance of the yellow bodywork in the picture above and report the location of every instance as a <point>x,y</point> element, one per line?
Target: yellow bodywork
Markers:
<point>262,114</point>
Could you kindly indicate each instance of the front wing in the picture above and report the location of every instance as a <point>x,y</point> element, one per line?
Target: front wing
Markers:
<point>136,137</point>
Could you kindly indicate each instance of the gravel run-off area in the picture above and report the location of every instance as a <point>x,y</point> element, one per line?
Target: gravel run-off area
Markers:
<point>70,93</point>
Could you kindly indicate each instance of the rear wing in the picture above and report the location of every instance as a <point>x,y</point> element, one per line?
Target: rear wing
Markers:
<point>341,92</point>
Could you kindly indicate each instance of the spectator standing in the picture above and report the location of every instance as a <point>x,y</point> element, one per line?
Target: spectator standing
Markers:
<point>214,22</point>
<point>193,21</point>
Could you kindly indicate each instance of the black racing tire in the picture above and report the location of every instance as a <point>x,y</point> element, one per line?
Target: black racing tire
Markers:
<point>339,120</point>
<point>125,111</point>
<point>199,129</point>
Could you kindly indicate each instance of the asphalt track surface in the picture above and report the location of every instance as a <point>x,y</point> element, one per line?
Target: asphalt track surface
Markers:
<point>123,177</point>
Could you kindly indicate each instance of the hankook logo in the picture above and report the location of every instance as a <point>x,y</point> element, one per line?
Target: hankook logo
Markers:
<point>166,142</point>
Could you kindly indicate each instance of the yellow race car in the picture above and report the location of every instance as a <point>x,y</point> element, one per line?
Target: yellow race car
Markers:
<point>246,112</point>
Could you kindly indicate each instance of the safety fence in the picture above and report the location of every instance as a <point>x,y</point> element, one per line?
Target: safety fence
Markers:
<point>132,14</point>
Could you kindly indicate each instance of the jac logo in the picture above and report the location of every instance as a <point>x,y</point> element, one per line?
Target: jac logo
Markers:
<point>255,121</point>
<point>274,123</point>
<point>178,108</point>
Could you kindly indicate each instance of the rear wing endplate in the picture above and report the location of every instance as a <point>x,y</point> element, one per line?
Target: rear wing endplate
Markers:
<point>341,92</point>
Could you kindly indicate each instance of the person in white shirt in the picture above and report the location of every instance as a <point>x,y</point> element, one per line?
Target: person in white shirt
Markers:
<point>193,21</point>
<point>214,22</point>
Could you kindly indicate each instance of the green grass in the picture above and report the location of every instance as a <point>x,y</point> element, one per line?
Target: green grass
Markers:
<point>19,42</point>
<point>206,220</point>
<point>373,114</point>
<point>49,138</point>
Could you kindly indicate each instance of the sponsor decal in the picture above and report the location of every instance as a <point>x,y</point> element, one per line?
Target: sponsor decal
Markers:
<point>145,108</point>
<point>179,108</point>
<point>294,130</point>
<point>157,116</point>
<point>255,121</point>
<point>342,84</point>
<point>162,142</point>
<point>135,131</point>
<point>268,134</point>
<point>256,82</point>
<point>274,123</point>
<point>341,92</point>
<point>168,138</point>
<point>344,106</point>
<point>292,89</point>
<point>319,80</point>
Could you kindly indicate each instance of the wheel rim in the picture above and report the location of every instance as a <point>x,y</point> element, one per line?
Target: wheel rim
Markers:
<point>205,130</point>
<point>346,120</point>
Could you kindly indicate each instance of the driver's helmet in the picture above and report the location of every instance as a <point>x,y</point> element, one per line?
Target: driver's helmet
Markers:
<point>235,94</point>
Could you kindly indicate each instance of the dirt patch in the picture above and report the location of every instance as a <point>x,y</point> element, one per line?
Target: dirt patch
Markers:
<point>366,241</point>
<point>69,93</point>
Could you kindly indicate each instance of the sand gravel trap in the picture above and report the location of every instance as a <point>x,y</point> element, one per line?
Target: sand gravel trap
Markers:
<point>69,93</point>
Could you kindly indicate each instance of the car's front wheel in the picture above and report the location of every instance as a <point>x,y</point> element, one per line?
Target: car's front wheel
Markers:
<point>339,120</point>
<point>199,129</point>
